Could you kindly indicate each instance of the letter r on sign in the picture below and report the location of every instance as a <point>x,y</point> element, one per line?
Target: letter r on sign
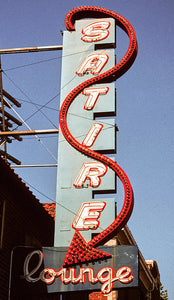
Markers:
<point>93,171</point>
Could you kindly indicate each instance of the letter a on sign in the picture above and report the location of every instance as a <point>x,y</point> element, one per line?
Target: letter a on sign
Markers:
<point>93,171</point>
<point>94,62</point>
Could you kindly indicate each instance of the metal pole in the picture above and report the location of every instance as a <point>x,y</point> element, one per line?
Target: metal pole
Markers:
<point>33,166</point>
<point>30,49</point>
<point>30,132</point>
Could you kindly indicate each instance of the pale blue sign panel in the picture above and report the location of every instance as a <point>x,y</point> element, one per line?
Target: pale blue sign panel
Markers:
<point>80,121</point>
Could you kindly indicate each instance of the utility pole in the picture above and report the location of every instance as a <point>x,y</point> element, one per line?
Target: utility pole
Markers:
<point>7,120</point>
<point>2,111</point>
<point>5,132</point>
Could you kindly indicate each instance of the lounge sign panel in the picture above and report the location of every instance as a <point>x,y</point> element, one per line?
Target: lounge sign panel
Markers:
<point>35,271</point>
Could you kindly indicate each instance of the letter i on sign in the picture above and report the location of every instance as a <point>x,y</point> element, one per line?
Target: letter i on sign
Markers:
<point>92,135</point>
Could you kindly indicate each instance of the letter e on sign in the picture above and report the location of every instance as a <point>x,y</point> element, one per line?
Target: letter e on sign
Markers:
<point>88,215</point>
<point>124,275</point>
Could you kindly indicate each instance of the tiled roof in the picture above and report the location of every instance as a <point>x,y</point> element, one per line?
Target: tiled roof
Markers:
<point>8,173</point>
<point>8,176</point>
<point>50,208</point>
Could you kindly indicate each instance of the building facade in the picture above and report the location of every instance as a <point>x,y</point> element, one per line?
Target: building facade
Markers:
<point>23,221</point>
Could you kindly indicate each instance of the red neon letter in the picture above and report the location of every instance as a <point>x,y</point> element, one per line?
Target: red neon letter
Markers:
<point>93,96</point>
<point>96,31</point>
<point>124,274</point>
<point>93,171</point>
<point>92,135</point>
<point>88,215</point>
<point>94,62</point>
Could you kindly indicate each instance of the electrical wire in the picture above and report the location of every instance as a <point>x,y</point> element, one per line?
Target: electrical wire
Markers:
<point>43,137</point>
<point>29,98</point>
<point>71,211</point>
<point>60,141</point>
<point>57,110</point>
<point>44,105</point>
<point>45,60</point>
<point>21,118</point>
<point>40,109</point>
<point>49,120</point>
<point>47,149</point>
<point>50,199</point>
<point>39,105</point>
<point>31,64</point>
<point>51,98</point>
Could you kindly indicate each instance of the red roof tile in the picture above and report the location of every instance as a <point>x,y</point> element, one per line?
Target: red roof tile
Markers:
<point>50,208</point>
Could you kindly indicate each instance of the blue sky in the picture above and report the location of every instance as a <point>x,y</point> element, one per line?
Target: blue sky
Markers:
<point>145,107</point>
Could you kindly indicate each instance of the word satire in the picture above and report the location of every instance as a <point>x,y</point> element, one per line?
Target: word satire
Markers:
<point>105,276</point>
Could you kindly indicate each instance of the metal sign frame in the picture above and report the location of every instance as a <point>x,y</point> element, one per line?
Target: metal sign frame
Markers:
<point>35,271</point>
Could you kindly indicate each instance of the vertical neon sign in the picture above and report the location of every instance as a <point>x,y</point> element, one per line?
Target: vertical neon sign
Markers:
<point>87,75</point>
<point>79,175</point>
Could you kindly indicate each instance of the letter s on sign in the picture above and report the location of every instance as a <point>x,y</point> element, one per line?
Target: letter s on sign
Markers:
<point>95,32</point>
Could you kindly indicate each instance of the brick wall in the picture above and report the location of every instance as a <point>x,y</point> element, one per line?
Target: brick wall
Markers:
<point>97,296</point>
<point>100,296</point>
